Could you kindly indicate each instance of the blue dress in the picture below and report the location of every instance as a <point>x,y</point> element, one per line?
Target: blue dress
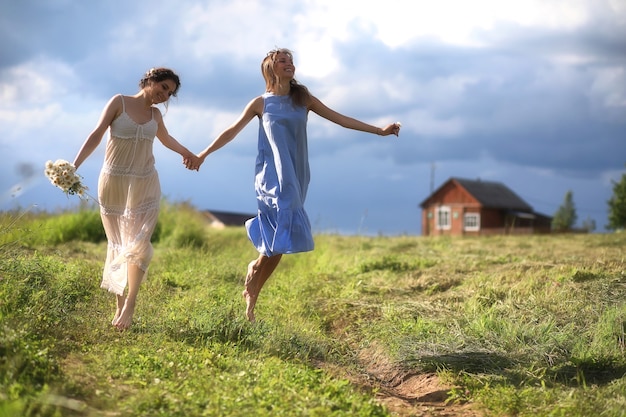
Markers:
<point>281,180</point>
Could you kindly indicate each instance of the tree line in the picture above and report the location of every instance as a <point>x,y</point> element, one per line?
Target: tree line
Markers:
<point>565,217</point>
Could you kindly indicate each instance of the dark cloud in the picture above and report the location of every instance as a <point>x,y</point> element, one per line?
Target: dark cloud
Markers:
<point>528,100</point>
<point>223,83</point>
<point>59,29</point>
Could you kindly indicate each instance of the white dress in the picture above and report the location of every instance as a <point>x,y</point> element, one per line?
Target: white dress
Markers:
<point>129,194</point>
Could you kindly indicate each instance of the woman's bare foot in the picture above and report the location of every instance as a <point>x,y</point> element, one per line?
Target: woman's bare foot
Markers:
<point>250,272</point>
<point>125,319</point>
<point>250,303</point>
<point>118,312</point>
<point>120,300</point>
<point>250,298</point>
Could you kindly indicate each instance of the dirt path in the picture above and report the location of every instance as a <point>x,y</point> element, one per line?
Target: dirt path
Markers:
<point>405,394</point>
<point>422,395</point>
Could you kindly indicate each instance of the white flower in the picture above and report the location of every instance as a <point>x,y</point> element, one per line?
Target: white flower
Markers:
<point>62,174</point>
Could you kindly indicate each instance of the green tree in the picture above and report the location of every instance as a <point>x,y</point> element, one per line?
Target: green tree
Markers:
<point>617,205</point>
<point>589,224</point>
<point>565,217</point>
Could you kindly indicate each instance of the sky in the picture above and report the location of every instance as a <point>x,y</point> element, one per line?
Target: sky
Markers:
<point>529,93</point>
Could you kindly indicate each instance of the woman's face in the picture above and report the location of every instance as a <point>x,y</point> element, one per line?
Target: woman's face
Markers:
<point>283,66</point>
<point>161,91</point>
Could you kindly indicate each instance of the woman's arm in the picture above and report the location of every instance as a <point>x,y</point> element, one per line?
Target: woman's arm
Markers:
<point>190,160</point>
<point>169,141</point>
<point>252,109</point>
<point>327,113</point>
<point>111,110</point>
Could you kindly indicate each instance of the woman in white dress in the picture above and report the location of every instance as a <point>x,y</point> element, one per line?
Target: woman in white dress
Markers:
<point>129,192</point>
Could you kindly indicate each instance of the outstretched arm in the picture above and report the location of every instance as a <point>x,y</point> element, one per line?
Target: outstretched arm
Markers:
<point>111,110</point>
<point>327,113</point>
<point>189,159</point>
<point>253,108</point>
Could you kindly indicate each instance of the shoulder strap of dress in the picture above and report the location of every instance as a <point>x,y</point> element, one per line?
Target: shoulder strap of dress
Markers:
<point>123,104</point>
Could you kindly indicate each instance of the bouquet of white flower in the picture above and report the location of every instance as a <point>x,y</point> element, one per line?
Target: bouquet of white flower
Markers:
<point>62,174</point>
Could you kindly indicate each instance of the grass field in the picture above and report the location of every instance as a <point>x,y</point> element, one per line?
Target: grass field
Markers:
<point>362,326</point>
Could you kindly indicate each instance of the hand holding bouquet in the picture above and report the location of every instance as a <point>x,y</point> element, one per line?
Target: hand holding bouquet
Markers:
<point>62,174</point>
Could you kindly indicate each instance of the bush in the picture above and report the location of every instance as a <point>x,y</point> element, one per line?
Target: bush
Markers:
<point>180,225</point>
<point>83,225</point>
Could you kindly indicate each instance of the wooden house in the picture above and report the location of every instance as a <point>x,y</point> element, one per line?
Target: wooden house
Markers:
<point>462,207</point>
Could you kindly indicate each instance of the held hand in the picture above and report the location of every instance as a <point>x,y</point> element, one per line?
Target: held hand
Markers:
<point>186,162</point>
<point>392,129</point>
<point>196,162</point>
<point>192,162</point>
<point>200,158</point>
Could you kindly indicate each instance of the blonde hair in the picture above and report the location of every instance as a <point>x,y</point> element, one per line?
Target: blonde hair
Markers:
<point>298,92</point>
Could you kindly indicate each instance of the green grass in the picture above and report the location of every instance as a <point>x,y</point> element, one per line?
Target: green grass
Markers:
<point>518,325</point>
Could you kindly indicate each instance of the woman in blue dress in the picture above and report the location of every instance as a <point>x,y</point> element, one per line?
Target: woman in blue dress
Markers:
<point>282,166</point>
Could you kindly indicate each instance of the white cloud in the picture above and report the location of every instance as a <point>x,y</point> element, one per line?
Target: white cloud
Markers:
<point>608,87</point>
<point>524,81</point>
<point>400,22</point>
<point>432,127</point>
<point>34,82</point>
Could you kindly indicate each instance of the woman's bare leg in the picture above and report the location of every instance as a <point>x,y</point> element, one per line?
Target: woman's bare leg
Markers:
<point>259,272</point>
<point>125,319</point>
<point>120,300</point>
<point>250,300</point>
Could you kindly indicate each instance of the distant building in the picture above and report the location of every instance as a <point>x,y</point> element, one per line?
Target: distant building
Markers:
<point>221,219</point>
<point>462,207</point>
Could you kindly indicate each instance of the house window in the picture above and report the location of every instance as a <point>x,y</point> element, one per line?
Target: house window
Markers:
<point>443,218</point>
<point>471,222</point>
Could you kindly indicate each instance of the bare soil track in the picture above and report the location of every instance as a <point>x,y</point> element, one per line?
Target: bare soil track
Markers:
<point>404,393</point>
<point>421,395</point>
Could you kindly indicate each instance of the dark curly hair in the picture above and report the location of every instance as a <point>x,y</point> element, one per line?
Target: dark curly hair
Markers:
<point>160,74</point>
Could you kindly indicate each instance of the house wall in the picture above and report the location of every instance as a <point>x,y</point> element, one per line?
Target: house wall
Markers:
<point>491,219</point>
<point>457,212</point>
<point>459,201</point>
<point>507,231</point>
<point>492,222</point>
<point>451,194</point>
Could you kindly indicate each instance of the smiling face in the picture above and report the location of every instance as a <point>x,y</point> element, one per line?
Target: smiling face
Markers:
<point>283,66</point>
<point>161,91</point>
<point>277,66</point>
<point>160,84</point>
